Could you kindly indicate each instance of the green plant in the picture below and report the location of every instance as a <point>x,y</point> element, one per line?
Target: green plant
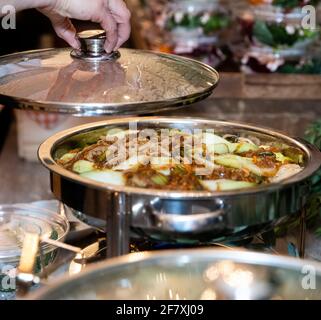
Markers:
<point>214,23</point>
<point>313,206</point>
<point>287,3</point>
<point>312,66</point>
<point>276,35</point>
<point>313,135</point>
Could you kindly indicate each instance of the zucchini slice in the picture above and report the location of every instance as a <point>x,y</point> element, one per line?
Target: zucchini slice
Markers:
<point>225,185</point>
<point>237,162</point>
<point>82,166</point>
<point>106,176</point>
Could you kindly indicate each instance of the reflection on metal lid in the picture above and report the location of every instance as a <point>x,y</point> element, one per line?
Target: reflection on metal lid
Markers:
<point>210,274</point>
<point>60,83</point>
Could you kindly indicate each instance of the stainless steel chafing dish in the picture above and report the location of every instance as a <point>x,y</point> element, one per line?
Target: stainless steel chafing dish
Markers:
<point>170,275</point>
<point>183,216</point>
<point>90,82</point>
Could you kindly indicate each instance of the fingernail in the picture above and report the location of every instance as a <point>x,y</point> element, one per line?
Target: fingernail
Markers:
<point>108,50</point>
<point>76,44</point>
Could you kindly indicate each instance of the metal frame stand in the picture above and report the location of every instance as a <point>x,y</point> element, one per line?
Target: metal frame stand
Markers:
<point>118,229</point>
<point>302,234</point>
<point>118,226</point>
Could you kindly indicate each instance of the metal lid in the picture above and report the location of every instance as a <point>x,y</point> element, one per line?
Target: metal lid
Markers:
<point>17,220</point>
<point>169,275</point>
<point>91,82</point>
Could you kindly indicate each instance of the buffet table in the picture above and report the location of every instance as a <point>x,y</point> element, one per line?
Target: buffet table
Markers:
<point>257,197</point>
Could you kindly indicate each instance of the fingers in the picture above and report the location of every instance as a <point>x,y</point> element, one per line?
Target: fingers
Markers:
<point>122,16</point>
<point>63,28</point>
<point>109,24</point>
<point>123,34</point>
<point>113,16</point>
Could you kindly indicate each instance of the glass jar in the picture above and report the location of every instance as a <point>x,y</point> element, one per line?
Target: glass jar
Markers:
<point>15,222</point>
<point>272,35</point>
<point>197,28</point>
<point>261,62</point>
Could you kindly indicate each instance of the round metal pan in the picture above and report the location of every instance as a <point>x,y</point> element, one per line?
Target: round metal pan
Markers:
<point>179,215</point>
<point>169,275</point>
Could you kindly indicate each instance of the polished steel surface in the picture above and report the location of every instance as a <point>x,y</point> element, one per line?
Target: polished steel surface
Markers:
<point>92,47</point>
<point>221,215</point>
<point>163,275</point>
<point>139,82</point>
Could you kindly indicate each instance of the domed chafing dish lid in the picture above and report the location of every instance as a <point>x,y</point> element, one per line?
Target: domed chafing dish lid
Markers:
<point>213,274</point>
<point>92,82</point>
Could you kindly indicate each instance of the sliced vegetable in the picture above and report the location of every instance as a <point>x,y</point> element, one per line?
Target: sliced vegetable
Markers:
<point>165,172</point>
<point>115,131</point>
<point>294,154</point>
<point>67,157</point>
<point>281,158</point>
<point>162,165</point>
<point>285,172</point>
<point>237,162</point>
<point>243,147</point>
<point>119,133</point>
<point>225,185</point>
<point>106,176</point>
<point>179,169</point>
<point>83,166</point>
<point>160,162</point>
<point>160,179</point>
<point>221,148</point>
<point>131,163</point>
<point>210,140</point>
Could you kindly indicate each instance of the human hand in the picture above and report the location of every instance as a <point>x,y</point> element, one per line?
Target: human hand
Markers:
<point>112,15</point>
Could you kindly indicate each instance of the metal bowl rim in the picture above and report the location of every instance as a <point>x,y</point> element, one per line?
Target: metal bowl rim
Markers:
<point>106,108</point>
<point>241,256</point>
<point>46,158</point>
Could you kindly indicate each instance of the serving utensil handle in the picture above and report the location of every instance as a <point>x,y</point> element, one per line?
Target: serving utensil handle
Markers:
<point>25,276</point>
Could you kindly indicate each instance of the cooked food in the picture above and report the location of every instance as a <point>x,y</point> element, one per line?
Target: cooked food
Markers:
<point>172,159</point>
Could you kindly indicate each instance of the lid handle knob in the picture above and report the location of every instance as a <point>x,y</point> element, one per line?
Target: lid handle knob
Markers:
<point>92,46</point>
<point>92,42</point>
